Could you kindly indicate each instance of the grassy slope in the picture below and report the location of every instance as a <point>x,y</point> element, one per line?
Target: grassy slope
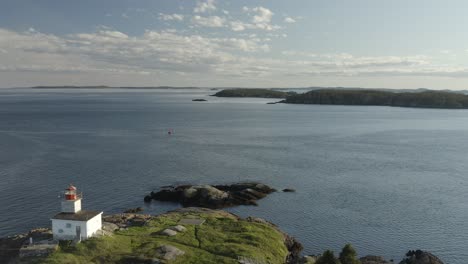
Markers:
<point>220,239</point>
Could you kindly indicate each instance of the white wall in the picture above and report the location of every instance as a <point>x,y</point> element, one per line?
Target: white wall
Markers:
<point>68,233</point>
<point>93,225</point>
<point>71,206</point>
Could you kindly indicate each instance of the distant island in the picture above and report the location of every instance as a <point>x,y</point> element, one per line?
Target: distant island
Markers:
<point>110,87</point>
<point>251,92</point>
<point>421,99</point>
<point>425,99</point>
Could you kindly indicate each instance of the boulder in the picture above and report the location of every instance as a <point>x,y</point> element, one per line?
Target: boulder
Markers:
<point>420,257</point>
<point>289,190</point>
<point>109,227</point>
<point>168,232</point>
<point>190,193</point>
<point>178,228</point>
<point>168,252</point>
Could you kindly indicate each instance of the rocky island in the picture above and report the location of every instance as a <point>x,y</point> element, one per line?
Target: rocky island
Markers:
<point>212,196</point>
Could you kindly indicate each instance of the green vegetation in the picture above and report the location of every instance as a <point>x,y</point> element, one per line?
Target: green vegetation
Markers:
<point>327,258</point>
<point>245,92</point>
<point>221,239</point>
<point>427,99</point>
<point>348,255</point>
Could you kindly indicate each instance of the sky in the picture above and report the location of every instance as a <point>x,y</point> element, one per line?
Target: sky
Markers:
<point>238,43</point>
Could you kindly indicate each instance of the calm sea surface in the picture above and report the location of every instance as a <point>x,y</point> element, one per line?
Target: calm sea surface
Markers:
<point>385,179</point>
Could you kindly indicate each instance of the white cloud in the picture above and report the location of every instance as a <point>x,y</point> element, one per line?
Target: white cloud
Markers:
<point>289,20</point>
<point>263,15</point>
<point>168,53</point>
<point>205,6</point>
<point>211,21</point>
<point>168,17</point>
<point>237,26</point>
<point>261,18</point>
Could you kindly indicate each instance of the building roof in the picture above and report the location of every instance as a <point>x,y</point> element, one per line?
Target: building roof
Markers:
<point>82,215</point>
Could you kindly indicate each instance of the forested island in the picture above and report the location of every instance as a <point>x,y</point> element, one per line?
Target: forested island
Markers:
<point>426,99</point>
<point>422,99</point>
<point>251,92</point>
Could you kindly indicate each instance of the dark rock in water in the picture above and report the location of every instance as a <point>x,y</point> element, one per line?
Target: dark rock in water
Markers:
<point>420,257</point>
<point>271,103</point>
<point>217,196</point>
<point>373,260</point>
<point>134,210</point>
<point>289,190</point>
<point>147,198</point>
<point>199,100</point>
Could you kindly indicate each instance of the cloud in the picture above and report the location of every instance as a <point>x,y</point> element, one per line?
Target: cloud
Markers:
<point>211,21</point>
<point>171,53</point>
<point>261,19</point>
<point>238,26</point>
<point>114,51</point>
<point>289,20</point>
<point>205,6</point>
<point>263,15</point>
<point>167,17</point>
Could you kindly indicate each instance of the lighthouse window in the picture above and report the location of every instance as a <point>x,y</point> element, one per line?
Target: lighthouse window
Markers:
<point>60,230</point>
<point>68,225</point>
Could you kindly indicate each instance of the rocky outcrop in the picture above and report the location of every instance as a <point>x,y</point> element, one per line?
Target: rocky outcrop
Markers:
<point>168,252</point>
<point>127,220</point>
<point>133,210</point>
<point>420,257</point>
<point>217,196</point>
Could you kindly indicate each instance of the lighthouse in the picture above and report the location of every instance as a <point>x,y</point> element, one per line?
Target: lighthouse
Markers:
<point>72,223</point>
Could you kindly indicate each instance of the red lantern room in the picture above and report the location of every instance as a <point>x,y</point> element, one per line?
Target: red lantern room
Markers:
<point>70,193</point>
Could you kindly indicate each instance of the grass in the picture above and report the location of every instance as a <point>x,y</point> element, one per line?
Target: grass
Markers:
<point>221,239</point>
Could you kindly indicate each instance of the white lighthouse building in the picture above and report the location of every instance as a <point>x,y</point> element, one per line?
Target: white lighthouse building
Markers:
<point>72,223</point>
